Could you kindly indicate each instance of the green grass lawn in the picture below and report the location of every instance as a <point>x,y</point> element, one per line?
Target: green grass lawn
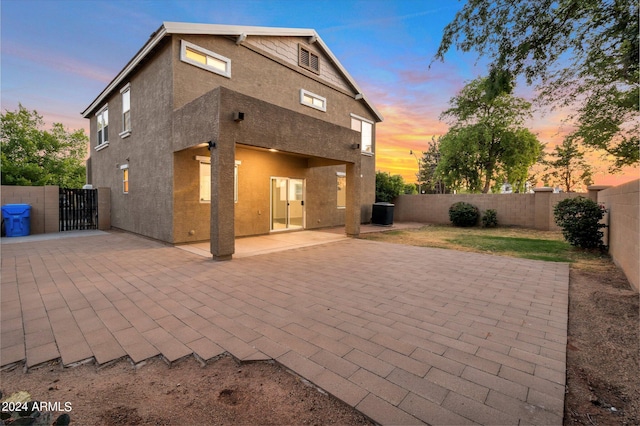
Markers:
<point>528,248</point>
<point>504,241</point>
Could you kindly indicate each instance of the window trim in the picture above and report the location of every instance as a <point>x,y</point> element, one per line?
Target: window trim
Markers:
<point>362,145</point>
<point>125,132</point>
<point>312,95</point>
<point>184,45</point>
<point>207,160</point>
<point>341,175</point>
<point>105,143</point>
<point>308,67</point>
<point>125,178</point>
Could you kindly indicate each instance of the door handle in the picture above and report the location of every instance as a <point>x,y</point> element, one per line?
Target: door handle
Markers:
<point>302,203</point>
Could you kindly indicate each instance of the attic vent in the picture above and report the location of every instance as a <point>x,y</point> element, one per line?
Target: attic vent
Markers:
<point>308,60</point>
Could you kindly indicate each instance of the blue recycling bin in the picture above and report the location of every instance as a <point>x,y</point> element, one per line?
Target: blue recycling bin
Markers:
<point>17,219</point>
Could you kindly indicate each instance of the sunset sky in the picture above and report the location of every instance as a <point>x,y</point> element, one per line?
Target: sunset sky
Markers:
<point>58,55</point>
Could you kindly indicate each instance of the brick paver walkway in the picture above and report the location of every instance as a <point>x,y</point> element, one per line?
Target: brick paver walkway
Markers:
<point>404,334</point>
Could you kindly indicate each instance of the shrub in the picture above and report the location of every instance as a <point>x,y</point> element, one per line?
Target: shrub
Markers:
<point>579,219</point>
<point>463,214</point>
<point>490,218</point>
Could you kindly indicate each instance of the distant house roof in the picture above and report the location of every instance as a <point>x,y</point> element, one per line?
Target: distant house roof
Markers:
<point>168,28</point>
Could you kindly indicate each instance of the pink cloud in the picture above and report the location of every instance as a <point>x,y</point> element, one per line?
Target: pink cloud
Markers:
<point>57,61</point>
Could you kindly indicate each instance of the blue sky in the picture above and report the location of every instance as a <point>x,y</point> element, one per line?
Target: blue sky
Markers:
<point>57,56</point>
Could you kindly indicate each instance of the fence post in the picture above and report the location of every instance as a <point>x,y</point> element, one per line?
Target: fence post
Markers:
<point>541,201</point>
<point>104,209</point>
<point>594,189</point>
<point>51,209</point>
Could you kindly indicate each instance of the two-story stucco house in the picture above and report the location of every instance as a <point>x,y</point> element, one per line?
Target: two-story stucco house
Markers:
<point>213,132</point>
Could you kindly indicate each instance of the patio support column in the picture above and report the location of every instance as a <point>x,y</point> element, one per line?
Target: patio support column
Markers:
<point>354,197</point>
<point>222,201</point>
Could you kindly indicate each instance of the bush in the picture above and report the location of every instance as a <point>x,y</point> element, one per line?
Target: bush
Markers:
<point>463,214</point>
<point>579,219</point>
<point>490,219</point>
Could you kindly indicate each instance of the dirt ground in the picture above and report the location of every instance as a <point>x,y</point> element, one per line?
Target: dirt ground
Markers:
<point>603,383</point>
<point>603,370</point>
<point>224,392</point>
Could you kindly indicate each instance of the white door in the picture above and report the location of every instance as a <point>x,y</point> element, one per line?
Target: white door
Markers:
<point>287,203</point>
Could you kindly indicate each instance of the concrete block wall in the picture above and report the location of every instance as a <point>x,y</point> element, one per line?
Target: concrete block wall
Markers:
<point>526,210</point>
<point>623,205</point>
<point>44,202</point>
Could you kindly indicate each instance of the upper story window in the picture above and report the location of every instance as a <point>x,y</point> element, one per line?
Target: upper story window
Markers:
<point>365,127</point>
<point>308,60</point>
<point>314,101</point>
<point>205,59</point>
<point>102,120</point>
<point>126,111</point>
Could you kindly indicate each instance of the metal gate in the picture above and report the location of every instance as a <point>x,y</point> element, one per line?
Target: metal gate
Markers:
<point>78,209</point>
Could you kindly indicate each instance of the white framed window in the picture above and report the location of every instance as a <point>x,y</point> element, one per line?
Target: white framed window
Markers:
<point>125,178</point>
<point>102,120</point>
<point>235,181</point>
<point>365,127</point>
<point>342,189</point>
<point>312,100</point>
<point>205,179</point>
<point>205,59</point>
<point>126,111</point>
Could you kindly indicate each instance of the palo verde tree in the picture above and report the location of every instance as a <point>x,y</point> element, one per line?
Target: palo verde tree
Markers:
<point>582,54</point>
<point>568,166</point>
<point>487,143</point>
<point>33,157</point>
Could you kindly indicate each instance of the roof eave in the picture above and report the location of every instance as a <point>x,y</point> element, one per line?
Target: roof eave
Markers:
<point>153,41</point>
<point>234,30</point>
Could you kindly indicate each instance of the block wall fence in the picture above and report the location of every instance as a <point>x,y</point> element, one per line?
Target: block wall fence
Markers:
<point>45,206</point>
<point>535,211</point>
<point>623,205</point>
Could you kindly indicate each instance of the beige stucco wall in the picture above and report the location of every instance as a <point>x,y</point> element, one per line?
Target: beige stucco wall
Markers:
<point>258,74</point>
<point>44,201</point>
<point>623,205</point>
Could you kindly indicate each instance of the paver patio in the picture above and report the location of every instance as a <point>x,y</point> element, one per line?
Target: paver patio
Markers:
<point>404,334</point>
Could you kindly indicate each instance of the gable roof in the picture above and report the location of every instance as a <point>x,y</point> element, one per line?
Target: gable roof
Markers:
<point>242,32</point>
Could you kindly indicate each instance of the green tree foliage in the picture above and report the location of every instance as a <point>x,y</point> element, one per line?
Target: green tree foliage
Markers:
<point>580,219</point>
<point>431,182</point>
<point>568,167</point>
<point>410,189</point>
<point>487,143</point>
<point>388,187</point>
<point>33,157</point>
<point>581,53</point>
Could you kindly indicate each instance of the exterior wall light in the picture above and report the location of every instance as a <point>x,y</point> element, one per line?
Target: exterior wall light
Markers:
<point>238,116</point>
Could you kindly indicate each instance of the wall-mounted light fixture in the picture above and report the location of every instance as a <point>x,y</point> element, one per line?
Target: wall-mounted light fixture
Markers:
<point>211,145</point>
<point>238,116</point>
<point>355,146</point>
